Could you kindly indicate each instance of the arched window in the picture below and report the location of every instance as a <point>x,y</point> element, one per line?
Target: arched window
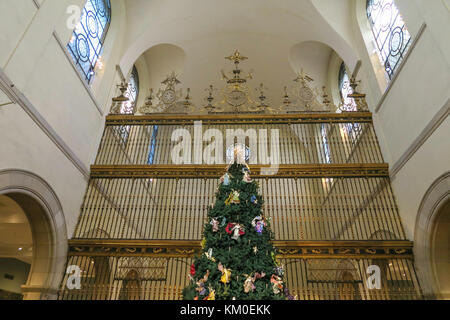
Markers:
<point>345,90</point>
<point>389,30</point>
<point>352,130</point>
<point>87,40</point>
<point>132,93</point>
<point>129,107</point>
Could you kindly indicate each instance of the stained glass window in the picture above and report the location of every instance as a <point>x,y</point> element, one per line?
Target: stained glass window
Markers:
<point>352,130</point>
<point>132,93</point>
<point>87,40</point>
<point>128,107</point>
<point>389,30</point>
<point>345,89</point>
<point>151,153</point>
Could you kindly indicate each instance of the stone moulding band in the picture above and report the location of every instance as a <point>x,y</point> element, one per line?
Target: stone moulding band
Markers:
<point>215,171</point>
<point>286,249</point>
<point>238,119</point>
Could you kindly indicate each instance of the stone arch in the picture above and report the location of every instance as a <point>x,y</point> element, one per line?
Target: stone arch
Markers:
<point>48,228</point>
<point>433,212</point>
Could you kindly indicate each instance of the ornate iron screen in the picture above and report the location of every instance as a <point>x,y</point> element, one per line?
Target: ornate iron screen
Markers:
<point>87,40</point>
<point>390,33</point>
<point>142,216</point>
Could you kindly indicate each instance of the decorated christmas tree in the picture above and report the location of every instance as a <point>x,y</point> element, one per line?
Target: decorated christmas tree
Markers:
<point>238,260</point>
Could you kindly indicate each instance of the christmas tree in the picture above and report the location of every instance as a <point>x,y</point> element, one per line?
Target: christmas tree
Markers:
<point>238,260</point>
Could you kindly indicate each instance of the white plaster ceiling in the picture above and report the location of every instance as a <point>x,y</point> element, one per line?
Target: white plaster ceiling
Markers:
<point>162,59</point>
<point>263,30</point>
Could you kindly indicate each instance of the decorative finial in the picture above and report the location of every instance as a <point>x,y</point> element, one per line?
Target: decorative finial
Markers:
<point>148,105</point>
<point>286,100</point>
<point>354,84</point>
<point>303,77</point>
<point>171,80</point>
<point>187,100</point>
<point>119,100</point>
<point>326,102</point>
<point>236,57</point>
<point>262,97</point>
<point>210,107</point>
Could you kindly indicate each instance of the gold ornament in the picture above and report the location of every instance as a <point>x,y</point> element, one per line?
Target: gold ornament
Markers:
<point>233,198</point>
<point>212,295</point>
<point>226,274</point>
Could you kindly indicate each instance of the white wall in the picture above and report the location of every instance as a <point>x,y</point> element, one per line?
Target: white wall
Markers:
<point>32,57</point>
<point>34,61</point>
<point>417,100</point>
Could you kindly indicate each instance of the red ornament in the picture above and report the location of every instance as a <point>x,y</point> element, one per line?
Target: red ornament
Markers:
<point>192,270</point>
<point>229,229</point>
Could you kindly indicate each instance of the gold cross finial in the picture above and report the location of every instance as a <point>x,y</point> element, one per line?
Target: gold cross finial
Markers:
<point>236,57</point>
<point>171,79</point>
<point>303,77</point>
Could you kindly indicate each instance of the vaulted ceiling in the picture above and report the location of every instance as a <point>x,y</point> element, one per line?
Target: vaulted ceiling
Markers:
<point>266,31</point>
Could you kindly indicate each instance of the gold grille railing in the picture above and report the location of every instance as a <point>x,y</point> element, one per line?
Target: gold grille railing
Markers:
<point>350,138</point>
<point>331,205</point>
<point>141,277</point>
<point>301,209</point>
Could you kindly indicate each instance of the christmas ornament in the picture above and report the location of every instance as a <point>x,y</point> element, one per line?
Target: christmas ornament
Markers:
<point>277,284</point>
<point>259,275</point>
<point>208,255</point>
<point>288,295</point>
<point>274,258</point>
<point>215,222</point>
<point>212,295</point>
<point>247,177</point>
<point>233,198</point>
<point>201,284</point>
<point>253,199</point>
<point>203,243</point>
<point>215,225</point>
<point>255,250</point>
<point>225,179</point>
<point>236,229</point>
<point>200,289</point>
<point>249,285</point>
<point>192,270</point>
<point>279,271</point>
<point>226,274</point>
<point>246,168</point>
<point>259,223</point>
